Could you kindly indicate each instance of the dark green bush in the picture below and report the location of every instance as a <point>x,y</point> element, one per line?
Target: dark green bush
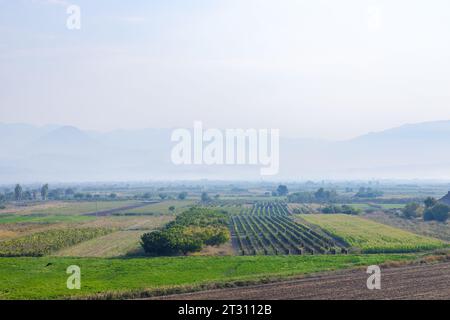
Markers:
<point>189,232</point>
<point>439,212</point>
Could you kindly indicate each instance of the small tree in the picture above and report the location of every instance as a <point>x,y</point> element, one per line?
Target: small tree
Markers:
<point>44,191</point>
<point>321,194</point>
<point>182,195</point>
<point>282,190</point>
<point>78,195</point>
<point>439,212</point>
<point>205,197</point>
<point>147,195</point>
<point>156,243</point>
<point>69,192</point>
<point>162,196</point>
<point>428,215</point>
<point>412,210</point>
<point>171,209</point>
<point>430,202</point>
<point>18,192</point>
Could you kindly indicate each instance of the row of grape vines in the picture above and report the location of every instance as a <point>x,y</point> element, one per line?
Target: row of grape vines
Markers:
<point>263,208</point>
<point>267,229</point>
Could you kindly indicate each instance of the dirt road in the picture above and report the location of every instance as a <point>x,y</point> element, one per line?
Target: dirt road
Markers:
<point>108,212</point>
<point>408,282</point>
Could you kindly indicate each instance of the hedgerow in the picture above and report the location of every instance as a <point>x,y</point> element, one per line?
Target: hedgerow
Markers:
<point>189,232</point>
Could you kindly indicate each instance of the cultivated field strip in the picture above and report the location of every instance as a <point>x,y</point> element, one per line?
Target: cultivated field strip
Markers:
<point>267,208</point>
<point>267,229</point>
<point>425,282</point>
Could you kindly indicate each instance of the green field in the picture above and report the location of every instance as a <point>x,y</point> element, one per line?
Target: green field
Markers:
<point>370,236</point>
<point>45,278</point>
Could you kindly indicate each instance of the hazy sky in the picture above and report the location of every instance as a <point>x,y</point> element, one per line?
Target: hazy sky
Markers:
<point>328,69</point>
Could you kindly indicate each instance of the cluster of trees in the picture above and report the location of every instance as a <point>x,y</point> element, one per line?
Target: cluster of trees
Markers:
<point>161,195</point>
<point>345,209</point>
<point>71,194</point>
<point>321,195</point>
<point>206,198</point>
<point>19,194</point>
<point>328,196</point>
<point>45,193</point>
<point>189,232</point>
<point>435,210</point>
<point>281,191</point>
<point>182,195</point>
<point>430,210</point>
<point>368,193</point>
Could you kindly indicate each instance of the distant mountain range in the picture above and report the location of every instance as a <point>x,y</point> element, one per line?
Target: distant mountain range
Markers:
<point>65,153</point>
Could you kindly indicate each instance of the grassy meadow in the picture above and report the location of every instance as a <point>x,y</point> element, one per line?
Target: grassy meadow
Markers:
<point>45,278</point>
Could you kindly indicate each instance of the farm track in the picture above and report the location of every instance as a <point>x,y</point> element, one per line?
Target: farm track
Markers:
<point>409,282</point>
<point>104,213</point>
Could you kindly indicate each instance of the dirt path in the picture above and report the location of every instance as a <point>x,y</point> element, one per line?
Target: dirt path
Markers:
<point>409,282</point>
<point>108,212</point>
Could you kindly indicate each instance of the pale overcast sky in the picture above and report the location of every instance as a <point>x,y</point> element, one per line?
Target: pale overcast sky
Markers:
<point>325,69</point>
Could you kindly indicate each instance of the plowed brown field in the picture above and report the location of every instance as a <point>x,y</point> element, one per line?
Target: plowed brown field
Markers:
<point>408,282</point>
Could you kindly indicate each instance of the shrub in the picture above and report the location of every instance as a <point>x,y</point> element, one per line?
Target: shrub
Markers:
<point>182,195</point>
<point>439,212</point>
<point>346,209</point>
<point>412,210</point>
<point>428,215</point>
<point>430,202</point>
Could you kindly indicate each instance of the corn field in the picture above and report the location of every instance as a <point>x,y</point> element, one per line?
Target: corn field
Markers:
<point>44,243</point>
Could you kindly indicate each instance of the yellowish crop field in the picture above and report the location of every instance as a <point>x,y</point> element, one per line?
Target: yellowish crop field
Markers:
<point>370,236</point>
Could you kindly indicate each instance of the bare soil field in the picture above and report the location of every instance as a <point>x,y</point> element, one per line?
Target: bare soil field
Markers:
<point>431,281</point>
